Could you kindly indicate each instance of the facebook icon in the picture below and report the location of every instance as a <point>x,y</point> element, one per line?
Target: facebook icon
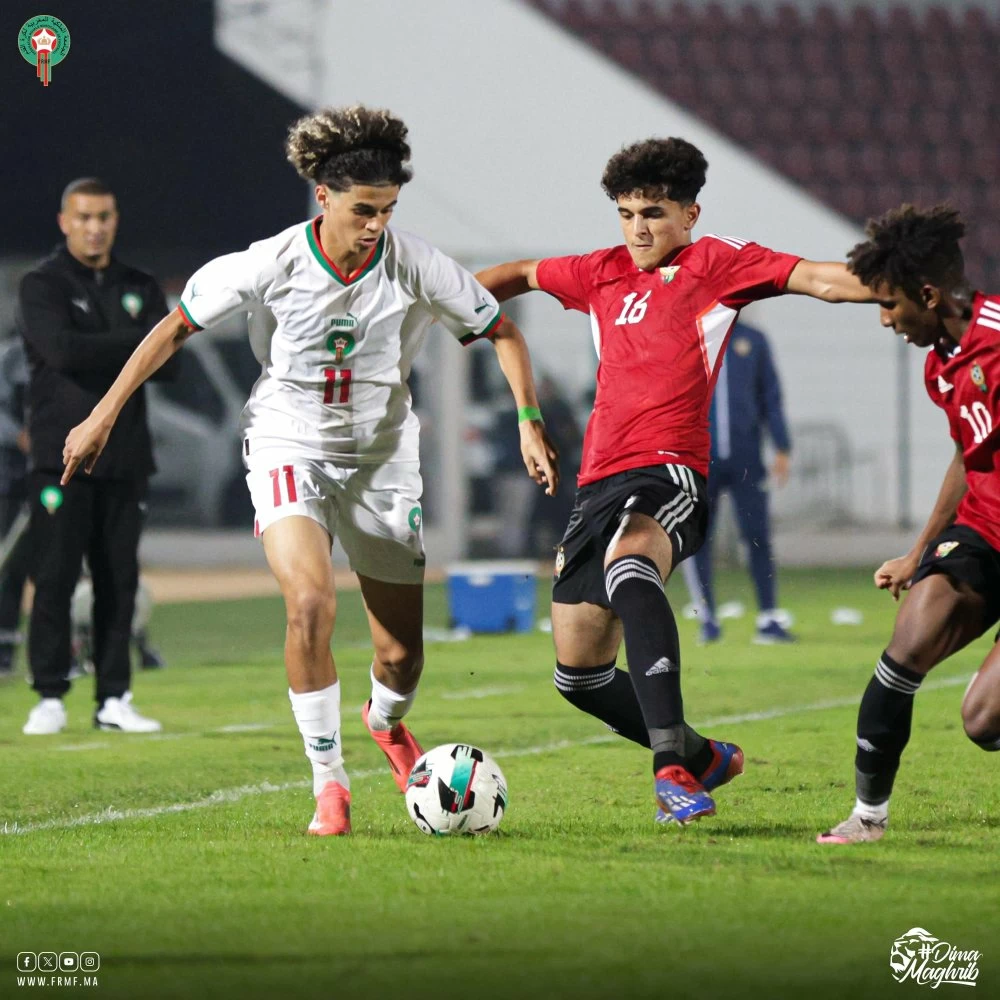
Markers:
<point>26,961</point>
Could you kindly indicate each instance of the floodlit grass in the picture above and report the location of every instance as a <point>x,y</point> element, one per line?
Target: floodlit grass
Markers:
<point>579,895</point>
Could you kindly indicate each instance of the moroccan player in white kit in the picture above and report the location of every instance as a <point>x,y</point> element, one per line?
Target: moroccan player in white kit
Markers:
<point>338,309</point>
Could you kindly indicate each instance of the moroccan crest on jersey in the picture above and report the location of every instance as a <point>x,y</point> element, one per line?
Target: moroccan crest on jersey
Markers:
<point>414,518</point>
<point>43,41</point>
<point>132,304</point>
<point>669,273</point>
<point>742,346</point>
<point>978,378</point>
<point>340,343</point>
<point>944,548</point>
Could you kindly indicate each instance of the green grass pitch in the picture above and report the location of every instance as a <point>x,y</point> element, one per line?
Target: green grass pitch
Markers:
<point>181,858</point>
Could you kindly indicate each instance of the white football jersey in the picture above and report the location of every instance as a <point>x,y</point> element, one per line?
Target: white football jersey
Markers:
<point>336,350</point>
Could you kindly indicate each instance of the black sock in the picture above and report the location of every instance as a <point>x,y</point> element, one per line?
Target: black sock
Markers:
<point>884,728</point>
<point>606,693</point>
<point>990,743</point>
<point>635,591</point>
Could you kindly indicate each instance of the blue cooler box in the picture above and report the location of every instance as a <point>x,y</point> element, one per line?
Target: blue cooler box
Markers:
<point>493,596</point>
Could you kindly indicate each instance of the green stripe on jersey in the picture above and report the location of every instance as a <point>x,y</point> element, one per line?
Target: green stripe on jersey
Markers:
<point>331,268</point>
<point>187,315</point>
<point>471,338</point>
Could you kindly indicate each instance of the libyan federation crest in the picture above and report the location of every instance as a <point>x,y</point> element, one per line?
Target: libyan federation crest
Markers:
<point>43,41</point>
<point>944,548</point>
<point>669,273</point>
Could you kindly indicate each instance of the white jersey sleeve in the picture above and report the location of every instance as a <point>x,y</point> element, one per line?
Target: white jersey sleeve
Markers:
<point>223,287</point>
<point>454,296</point>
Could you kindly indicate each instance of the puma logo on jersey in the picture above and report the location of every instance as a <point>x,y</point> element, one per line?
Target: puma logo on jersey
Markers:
<point>82,304</point>
<point>944,386</point>
<point>479,309</point>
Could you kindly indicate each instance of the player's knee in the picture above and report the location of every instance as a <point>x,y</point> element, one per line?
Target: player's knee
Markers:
<point>311,612</point>
<point>910,654</point>
<point>403,662</point>
<point>981,719</point>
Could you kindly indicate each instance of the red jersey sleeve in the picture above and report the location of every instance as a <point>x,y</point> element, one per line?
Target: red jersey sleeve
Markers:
<point>568,279</point>
<point>756,273</point>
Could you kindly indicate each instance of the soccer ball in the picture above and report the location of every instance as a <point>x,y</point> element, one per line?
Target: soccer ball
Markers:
<point>455,788</point>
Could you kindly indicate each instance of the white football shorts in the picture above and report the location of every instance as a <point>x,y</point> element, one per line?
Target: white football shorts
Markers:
<point>374,510</point>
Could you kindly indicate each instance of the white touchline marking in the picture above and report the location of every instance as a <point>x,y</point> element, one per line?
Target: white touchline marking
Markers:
<point>246,727</point>
<point>484,692</point>
<point>224,796</point>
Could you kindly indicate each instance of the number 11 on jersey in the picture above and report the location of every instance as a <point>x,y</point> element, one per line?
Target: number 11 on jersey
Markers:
<point>338,385</point>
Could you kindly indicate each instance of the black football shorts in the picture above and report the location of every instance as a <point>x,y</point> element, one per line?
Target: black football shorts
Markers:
<point>673,495</point>
<point>962,553</point>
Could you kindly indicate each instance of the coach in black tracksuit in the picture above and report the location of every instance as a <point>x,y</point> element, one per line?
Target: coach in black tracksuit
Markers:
<point>82,313</point>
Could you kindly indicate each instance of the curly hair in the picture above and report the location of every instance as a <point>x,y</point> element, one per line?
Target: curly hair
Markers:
<point>656,168</point>
<point>908,247</point>
<point>339,147</point>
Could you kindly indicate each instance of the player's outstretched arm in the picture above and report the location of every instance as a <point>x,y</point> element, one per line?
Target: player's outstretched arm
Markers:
<point>540,455</point>
<point>830,281</point>
<point>507,280</point>
<point>86,441</point>
<point>894,575</point>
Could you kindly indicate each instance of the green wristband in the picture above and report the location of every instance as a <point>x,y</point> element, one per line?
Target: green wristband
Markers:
<point>528,413</point>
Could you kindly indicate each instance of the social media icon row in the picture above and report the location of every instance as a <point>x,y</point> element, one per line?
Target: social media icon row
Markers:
<point>65,961</point>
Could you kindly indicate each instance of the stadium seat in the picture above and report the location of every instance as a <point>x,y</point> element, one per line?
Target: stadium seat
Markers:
<point>826,22</point>
<point>938,24</point>
<point>853,200</point>
<point>872,163</point>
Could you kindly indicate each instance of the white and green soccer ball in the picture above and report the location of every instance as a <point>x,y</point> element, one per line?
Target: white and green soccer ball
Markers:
<point>456,788</point>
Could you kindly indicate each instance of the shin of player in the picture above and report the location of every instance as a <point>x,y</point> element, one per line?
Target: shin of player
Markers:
<point>913,262</point>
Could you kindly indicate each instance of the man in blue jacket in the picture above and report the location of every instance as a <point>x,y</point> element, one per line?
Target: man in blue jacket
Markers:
<point>747,401</point>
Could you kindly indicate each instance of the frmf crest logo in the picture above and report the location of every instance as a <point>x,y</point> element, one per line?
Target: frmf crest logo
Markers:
<point>919,956</point>
<point>44,42</point>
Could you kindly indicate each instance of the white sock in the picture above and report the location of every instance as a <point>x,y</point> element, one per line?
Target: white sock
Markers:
<point>318,716</point>
<point>388,706</point>
<point>877,814</point>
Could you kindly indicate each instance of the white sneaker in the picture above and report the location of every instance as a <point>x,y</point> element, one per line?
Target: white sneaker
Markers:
<point>118,713</point>
<point>46,718</point>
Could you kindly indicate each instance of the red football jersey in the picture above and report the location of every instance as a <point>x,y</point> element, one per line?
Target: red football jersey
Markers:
<point>660,336</point>
<point>966,385</point>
